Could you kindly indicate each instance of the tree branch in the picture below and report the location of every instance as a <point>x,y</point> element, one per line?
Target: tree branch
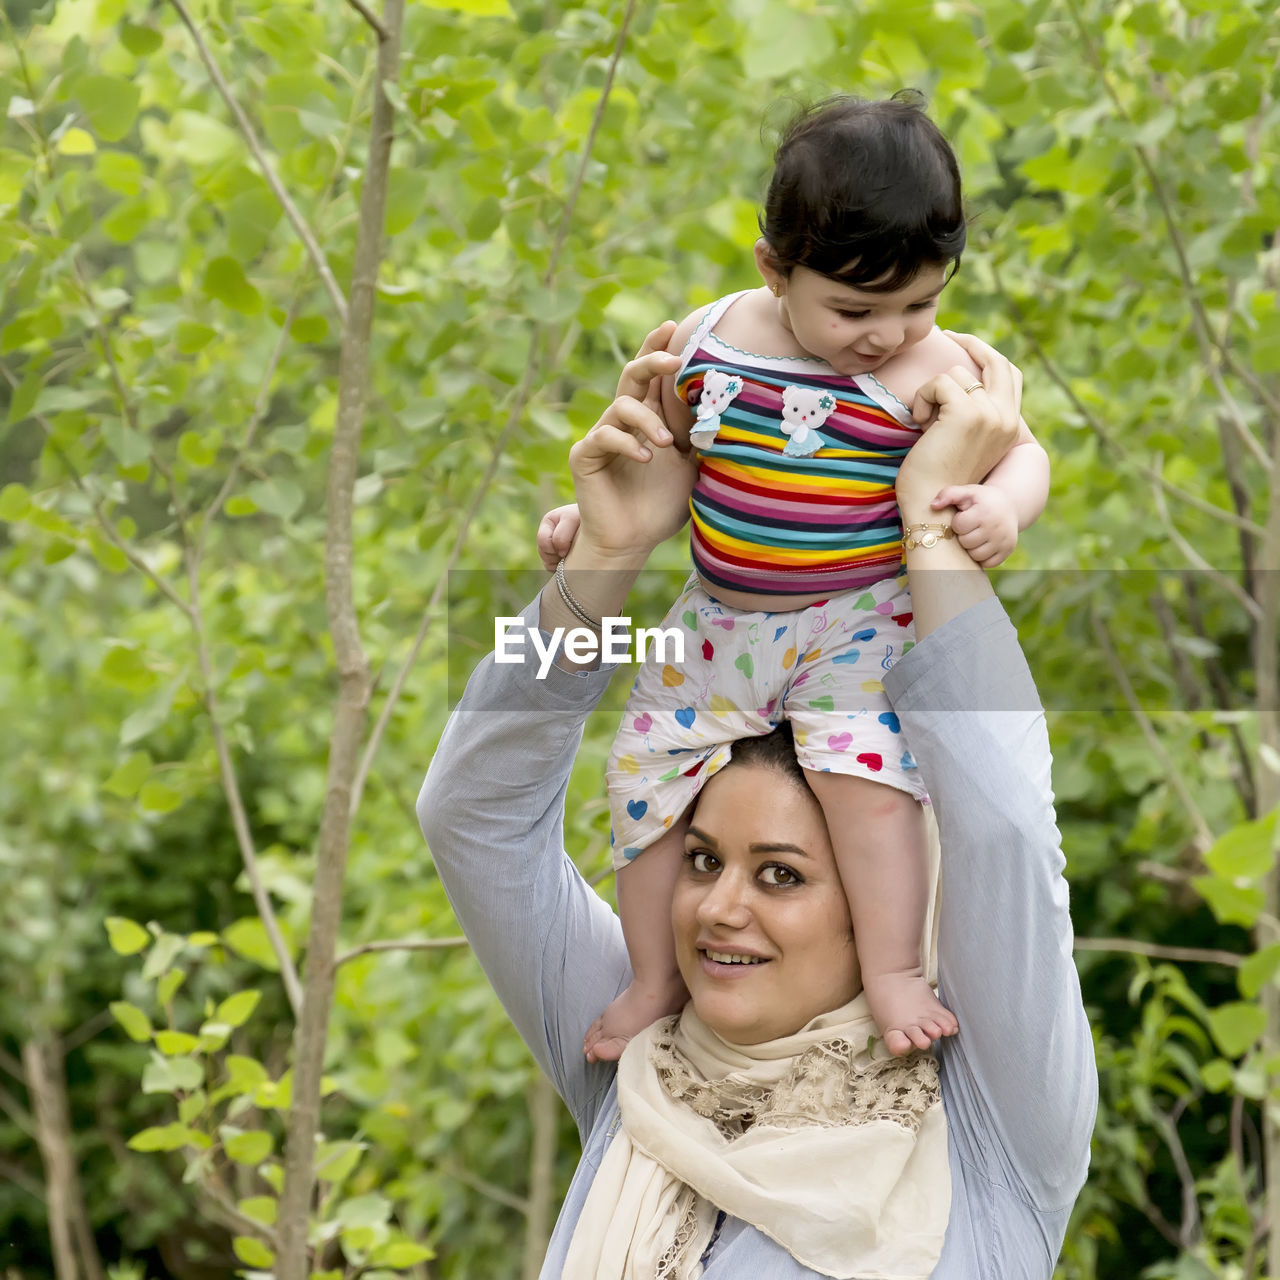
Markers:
<point>113,536</point>
<point>1199,321</point>
<point>351,712</point>
<point>1158,951</point>
<point>1204,835</point>
<point>398,944</point>
<point>371,18</point>
<point>513,420</point>
<point>1228,584</point>
<point>314,252</point>
<point>1095,424</point>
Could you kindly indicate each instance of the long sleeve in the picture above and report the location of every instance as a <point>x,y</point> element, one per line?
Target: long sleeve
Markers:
<point>492,811</point>
<point>1022,1065</point>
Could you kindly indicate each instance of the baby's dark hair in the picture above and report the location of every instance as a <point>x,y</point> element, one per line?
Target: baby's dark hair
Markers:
<point>865,192</point>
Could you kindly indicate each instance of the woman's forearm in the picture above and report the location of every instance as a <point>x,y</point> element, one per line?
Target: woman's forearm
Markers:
<point>944,579</point>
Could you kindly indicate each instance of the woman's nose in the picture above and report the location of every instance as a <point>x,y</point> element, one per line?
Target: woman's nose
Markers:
<point>725,903</point>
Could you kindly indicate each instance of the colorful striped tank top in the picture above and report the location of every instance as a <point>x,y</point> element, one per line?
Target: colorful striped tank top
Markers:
<point>774,524</point>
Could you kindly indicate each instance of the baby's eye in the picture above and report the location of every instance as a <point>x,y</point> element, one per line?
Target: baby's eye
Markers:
<point>776,874</point>
<point>854,315</point>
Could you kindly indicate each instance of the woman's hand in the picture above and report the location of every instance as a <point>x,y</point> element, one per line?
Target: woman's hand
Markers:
<point>631,482</point>
<point>970,433</point>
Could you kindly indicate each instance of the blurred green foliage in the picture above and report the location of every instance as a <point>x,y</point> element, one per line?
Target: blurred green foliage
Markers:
<point>163,334</point>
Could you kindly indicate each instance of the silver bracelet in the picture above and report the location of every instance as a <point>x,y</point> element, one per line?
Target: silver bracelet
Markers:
<point>572,601</point>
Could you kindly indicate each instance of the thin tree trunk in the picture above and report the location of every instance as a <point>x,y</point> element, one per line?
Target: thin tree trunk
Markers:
<point>544,1109</point>
<point>350,716</point>
<point>64,1198</point>
<point>1267,685</point>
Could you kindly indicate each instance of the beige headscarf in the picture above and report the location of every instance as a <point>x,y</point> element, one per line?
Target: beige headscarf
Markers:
<point>836,1152</point>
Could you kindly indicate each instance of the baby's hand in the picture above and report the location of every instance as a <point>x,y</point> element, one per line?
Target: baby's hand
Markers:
<point>986,521</point>
<point>556,533</point>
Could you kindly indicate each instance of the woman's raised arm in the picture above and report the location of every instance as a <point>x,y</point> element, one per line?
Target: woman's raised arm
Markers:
<point>492,805</point>
<point>969,709</point>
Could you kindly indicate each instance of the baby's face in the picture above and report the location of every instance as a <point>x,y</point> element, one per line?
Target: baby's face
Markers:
<point>853,330</point>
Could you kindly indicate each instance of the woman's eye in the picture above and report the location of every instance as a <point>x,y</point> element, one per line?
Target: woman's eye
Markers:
<point>701,860</point>
<point>775,874</point>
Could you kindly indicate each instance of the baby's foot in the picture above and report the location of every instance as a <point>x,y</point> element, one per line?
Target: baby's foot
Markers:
<point>907,1012</point>
<point>632,1011</point>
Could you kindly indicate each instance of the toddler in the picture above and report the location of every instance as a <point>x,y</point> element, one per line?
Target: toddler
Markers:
<point>795,397</point>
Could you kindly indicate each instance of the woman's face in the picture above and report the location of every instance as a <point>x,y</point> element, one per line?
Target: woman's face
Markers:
<point>763,935</point>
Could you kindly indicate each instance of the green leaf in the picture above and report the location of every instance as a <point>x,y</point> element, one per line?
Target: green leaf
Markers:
<point>224,279</point>
<point>260,1208</point>
<point>244,1074</point>
<point>250,1146</point>
<point>1246,851</point>
<point>1236,1026</point>
<point>168,985</point>
<point>140,41</point>
<point>251,217</point>
<point>126,937</point>
<point>110,103</point>
<point>129,775</point>
<point>15,502</point>
<point>168,946</point>
<point>337,1161</point>
<point>166,1137</point>
<point>1229,903</point>
<point>173,1043</point>
<point>149,717</point>
<point>402,1254</point>
<point>192,337</point>
<point>235,1010</point>
<point>76,142</point>
<point>485,219</point>
<point>130,447</point>
<point>248,938</point>
<point>365,1211</point>
<point>201,140</point>
<point>195,450</point>
<point>481,8</point>
<point>136,1024</point>
<point>277,496</point>
<point>252,1252</point>
<point>159,797</point>
<point>169,1075</point>
<point>1258,970</point>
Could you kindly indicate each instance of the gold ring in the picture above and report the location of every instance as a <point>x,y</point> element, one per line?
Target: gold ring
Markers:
<point>972,387</point>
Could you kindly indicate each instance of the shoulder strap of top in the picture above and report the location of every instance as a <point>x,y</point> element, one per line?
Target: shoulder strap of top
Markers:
<point>708,322</point>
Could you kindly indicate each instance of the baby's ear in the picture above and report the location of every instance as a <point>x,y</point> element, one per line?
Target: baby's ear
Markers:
<point>767,264</point>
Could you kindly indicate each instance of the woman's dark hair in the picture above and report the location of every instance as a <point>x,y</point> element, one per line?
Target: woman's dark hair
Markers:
<point>775,751</point>
<point>865,192</point>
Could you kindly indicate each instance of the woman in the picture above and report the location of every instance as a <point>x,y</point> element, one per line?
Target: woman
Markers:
<point>710,1150</point>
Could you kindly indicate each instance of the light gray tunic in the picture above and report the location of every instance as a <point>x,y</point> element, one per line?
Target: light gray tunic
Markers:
<point>1019,1084</point>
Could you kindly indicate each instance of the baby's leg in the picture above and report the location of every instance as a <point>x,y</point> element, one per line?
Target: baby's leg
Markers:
<point>879,837</point>
<point>645,888</point>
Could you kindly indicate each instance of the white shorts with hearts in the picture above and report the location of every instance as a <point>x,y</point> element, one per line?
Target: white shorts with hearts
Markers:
<point>743,673</point>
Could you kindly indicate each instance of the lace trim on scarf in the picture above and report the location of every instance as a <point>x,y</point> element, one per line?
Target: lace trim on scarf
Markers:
<point>673,1263</point>
<point>825,1087</point>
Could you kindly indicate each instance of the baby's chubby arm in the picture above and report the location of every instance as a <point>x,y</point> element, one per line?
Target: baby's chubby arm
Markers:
<point>989,516</point>
<point>559,527</point>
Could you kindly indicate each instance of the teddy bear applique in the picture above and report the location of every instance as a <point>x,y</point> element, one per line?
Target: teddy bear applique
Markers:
<point>804,410</point>
<point>718,390</point>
